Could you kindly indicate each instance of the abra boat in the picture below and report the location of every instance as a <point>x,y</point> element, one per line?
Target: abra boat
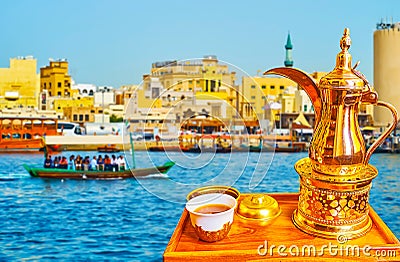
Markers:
<point>96,174</point>
<point>25,134</point>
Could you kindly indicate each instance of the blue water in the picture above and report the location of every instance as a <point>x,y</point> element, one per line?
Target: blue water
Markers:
<point>42,219</point>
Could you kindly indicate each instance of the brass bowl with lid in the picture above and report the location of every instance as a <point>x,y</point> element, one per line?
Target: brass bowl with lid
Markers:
<point>259,207</point>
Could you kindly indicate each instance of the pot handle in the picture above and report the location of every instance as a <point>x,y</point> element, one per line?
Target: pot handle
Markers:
<point>382,137</point>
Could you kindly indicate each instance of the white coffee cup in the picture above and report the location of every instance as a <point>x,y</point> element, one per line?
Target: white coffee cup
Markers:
<point>211,227</point>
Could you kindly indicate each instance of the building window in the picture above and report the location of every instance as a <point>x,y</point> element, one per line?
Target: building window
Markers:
<point>272,87</point>
<point>59,84</point>
<point>86,117</point>
<point>80,118</point>
<point>253,97</point>
<point>263,87</point>
<point>75,118</point>
<point>59,107</point>
<point>305,108</point>
<point>281,87</point>
<point>50,84</point>
<point>253,86</point>
<point>212,85</point>
<point>190,82</point>
<point>59,93</point>
<point>44,85</point>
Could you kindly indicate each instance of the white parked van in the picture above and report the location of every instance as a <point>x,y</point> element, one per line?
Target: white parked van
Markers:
<point>70,129</point>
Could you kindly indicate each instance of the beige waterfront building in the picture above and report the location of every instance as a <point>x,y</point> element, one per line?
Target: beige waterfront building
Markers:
<point>387,69</point>
<point>55,79</point>
<point>204,81</point>
<point>19,84</point>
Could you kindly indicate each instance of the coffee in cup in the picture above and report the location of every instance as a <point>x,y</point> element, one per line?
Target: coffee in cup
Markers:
<point>211,215</point>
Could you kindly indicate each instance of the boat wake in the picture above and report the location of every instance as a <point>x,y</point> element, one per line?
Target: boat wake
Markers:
<point>12,177</point>
<point>154,176</point>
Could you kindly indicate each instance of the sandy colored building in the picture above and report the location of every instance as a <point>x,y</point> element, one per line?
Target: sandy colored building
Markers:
<point>60,103</point>
<point>387,69</point>
<point>257,92</point>
<point>19,84</point>
<point>55,79</point>
<point>203,81</point>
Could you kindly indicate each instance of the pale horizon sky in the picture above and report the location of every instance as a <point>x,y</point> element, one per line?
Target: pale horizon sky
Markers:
<point>115,42</point>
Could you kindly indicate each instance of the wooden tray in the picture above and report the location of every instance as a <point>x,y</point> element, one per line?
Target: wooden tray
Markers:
<point>246,237</point>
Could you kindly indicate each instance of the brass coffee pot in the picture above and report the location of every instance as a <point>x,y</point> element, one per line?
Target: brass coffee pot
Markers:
<point>336,178</point>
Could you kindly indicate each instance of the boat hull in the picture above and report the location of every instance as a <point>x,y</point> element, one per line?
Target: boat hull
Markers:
<point>82,174</point>
<point>207,150</point>
<point>21,145</point>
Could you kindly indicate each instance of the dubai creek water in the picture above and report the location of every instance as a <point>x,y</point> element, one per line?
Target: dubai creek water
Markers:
<point>133,220</point>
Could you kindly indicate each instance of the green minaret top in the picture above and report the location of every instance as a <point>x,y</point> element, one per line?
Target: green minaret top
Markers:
<point>288,61</point>
<point>288,42</point>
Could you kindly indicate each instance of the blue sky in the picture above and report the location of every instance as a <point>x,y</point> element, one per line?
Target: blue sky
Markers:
<point>115,42</point>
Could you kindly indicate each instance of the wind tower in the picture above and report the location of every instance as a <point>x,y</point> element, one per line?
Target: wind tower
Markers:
<point>288,61</point>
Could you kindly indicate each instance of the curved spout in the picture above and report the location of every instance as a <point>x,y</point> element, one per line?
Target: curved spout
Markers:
<point>305,82</point>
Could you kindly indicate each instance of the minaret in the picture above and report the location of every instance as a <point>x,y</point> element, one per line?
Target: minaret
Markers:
<point>288,47</point>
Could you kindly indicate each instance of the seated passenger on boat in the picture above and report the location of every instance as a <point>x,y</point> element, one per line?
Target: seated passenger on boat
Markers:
<point>93,163</point>
<point>78,162</point>
<point>107,163</point>
<point>121,162</point>
<point>71,163</point>
<point>114,163</point>
<point>63,163</point>
<point>48,163</point>
<point>56,162</point>
<point>86,163</point>
<point>100,163</point>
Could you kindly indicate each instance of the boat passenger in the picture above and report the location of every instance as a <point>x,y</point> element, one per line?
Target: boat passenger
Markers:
<point>93,163</point>
<point>48,162</point>
<point>71,163</point>
<point>78,162</point>
<point>100,163</point>
<point>107,163</point>
<point>121,162</point>
<point>63,163</point>
<point>86,163</point>
<point>114,163</point>
<point>56,162</point>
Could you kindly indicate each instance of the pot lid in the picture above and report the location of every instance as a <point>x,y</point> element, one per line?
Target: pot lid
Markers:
<point>343,75</point>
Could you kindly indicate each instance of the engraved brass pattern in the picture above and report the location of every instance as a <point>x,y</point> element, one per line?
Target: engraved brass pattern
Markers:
<point>333,207</point>
<point>212,236</point>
